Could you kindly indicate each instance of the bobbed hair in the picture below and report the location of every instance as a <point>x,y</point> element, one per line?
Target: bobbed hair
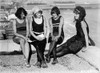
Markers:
<point>56,10</point>
<point>19,11</point>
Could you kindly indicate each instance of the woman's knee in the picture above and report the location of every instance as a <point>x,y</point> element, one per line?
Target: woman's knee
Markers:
<point>22,41</point>
<point>16,40</point>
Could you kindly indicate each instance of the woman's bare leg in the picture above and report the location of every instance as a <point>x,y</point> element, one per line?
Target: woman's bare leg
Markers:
<point>22,45</point>
<point>25,49</point>
<point>51,47</point>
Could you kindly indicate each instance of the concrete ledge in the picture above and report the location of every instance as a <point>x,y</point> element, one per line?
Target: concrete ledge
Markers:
<point>9,46</point>
<point>92,56</point>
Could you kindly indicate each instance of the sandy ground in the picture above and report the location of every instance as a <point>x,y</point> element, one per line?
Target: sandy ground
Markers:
<point>69,63</point>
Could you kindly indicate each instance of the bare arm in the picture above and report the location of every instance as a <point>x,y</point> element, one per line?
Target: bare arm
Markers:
<point>60,26</point>
<point>45,27</point>
<point>85,33</point>
<point>27,28</point>
<point>31,30</point>
<point>50,27</point>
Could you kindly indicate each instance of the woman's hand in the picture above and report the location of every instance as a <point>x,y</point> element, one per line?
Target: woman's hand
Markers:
<point>55,38</point>
<point>87,46</point>
<point>40,37</point>
<point>84,49</point>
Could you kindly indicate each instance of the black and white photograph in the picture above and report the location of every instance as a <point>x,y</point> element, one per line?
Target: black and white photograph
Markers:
<point>49,36</point>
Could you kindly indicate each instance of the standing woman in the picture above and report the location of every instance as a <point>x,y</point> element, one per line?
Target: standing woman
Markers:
<point>78,41</point>
<point>56,37</point>
<point>21,31</point>
<point>38,33</point>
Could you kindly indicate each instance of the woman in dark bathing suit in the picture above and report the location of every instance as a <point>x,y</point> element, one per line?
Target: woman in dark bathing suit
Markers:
<point>56,37</point>
<point>38,33</point>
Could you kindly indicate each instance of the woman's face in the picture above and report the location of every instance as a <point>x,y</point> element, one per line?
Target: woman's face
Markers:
<point>22,15</point>
<point>76,16</point>
<point>54,15</point>
<point>38,14</point>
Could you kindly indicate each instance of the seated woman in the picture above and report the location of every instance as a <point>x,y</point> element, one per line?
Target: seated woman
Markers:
<point>38,33</point>
<point>21,32</point>
<point>78,41</point>
<point>56,37</point>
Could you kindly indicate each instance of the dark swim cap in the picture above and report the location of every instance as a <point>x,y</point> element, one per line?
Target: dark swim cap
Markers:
<point>81,11</point>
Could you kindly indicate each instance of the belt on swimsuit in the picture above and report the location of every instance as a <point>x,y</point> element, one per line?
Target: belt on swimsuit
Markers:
<point>38,32</point>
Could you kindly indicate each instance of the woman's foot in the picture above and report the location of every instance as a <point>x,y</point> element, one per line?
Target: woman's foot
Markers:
<point>27,64</point>
<point>46,55</point>
<point>44,65</point>
<point>47,58</point>
<point>55,61</point>
<point>38,64</point>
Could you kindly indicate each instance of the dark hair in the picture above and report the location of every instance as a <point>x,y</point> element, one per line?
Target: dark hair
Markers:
<point>19,11</point>
<point>56,10</point>
<point>81,11</point>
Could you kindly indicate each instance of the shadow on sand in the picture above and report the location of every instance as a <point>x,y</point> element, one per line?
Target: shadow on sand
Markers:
<point>14,53</point>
